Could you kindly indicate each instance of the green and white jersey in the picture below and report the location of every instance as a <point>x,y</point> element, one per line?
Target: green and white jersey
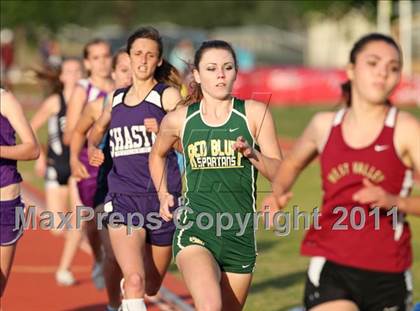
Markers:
<point>218,179</point>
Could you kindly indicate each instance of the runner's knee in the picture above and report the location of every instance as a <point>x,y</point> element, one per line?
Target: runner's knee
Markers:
<point>208,304</point>
<point>135,282</point>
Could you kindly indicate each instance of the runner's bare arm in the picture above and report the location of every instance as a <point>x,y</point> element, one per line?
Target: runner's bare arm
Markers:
<point>169,133</point>
<point>100,127</point>
<point>78,139</point>
<point>28,149</point>
<point>167,136</point>
<point>48,108</point>
<point>411,125</point>
<point>80,131</point>
<point>170,99</point>
<point>263,129</point>
<point>74,110</point>
<point>303,152</point>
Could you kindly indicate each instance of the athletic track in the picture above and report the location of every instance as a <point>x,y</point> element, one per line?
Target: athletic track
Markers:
<point>32,284</point>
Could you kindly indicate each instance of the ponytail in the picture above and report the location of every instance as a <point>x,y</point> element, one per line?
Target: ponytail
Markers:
<point>346,93</point>
<point>168,74</point>
<point>52,76</point>
<point>195,94</point>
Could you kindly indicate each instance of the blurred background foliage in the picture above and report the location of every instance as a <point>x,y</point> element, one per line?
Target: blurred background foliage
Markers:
<point>204,14</point>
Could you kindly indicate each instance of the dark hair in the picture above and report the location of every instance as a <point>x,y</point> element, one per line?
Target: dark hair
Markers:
<point>195,93</point>
<point>145,33</point>
<point>91,43</point>
<point>51,75</point>
<point>357,48</point>
<point>165,73</point>
<point>116,56</point>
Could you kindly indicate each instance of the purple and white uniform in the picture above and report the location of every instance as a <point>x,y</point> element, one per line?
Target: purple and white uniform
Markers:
<point>131,188</point>
<point>87,187</point>
<point>10,232</point>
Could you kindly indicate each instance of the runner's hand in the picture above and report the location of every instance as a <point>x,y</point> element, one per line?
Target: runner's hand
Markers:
<point>375,195</point>
<point>96,156</point>
<point>151,125</point>
<point>273,203</point>
<point>242,146</point>
<point>166,202</point>
<point>78,170</point>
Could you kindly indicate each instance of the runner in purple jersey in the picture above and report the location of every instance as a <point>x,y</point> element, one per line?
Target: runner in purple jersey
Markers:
<point>79,157</point>
<point>85,173</point>
<point>121,74</point>
<point>131,142</point>
<point>97,61</point>
<point>12,120</point>
<point>133,118</point>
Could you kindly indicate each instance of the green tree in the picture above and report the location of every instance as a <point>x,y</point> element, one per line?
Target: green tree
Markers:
<point>204,14</point>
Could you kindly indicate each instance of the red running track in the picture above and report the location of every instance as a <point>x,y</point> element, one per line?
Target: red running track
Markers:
<point>32,283</point>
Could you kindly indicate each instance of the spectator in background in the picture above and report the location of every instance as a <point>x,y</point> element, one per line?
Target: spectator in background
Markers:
<point>51,52</point>
<point>246,59</point>
<point>181,56</point>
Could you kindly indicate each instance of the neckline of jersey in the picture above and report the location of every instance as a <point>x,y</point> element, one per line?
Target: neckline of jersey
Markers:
<point>136,105</point>
<point>224,122</point>
<point>370,145</point>
<point>91,85</point>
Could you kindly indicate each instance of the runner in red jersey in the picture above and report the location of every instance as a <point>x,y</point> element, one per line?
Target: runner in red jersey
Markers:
<point>360,247</point>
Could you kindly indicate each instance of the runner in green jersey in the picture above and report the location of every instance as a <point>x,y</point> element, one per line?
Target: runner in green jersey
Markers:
<point>225,142</point>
